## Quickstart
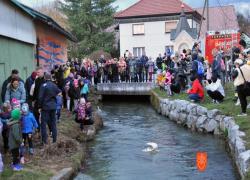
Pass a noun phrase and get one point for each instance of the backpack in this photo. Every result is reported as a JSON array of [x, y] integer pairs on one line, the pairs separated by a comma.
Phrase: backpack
[[200, 68], [222, 65]]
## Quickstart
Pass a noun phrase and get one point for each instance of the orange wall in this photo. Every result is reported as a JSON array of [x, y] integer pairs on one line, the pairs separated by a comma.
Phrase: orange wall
[[52, 46]]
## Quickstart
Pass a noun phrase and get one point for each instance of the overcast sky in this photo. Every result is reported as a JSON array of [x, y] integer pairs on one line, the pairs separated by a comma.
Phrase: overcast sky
[[241, 5]]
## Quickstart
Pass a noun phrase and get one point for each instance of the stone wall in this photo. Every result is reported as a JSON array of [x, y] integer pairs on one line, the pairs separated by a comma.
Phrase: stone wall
[[198, 118]]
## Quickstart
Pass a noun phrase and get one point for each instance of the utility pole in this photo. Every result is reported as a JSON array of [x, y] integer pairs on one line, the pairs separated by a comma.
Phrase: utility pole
[[207, 15]]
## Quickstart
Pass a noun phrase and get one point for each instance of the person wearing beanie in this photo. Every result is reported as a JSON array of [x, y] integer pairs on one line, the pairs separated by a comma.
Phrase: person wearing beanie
[[196, 93], [47, 107], [15, 138], [29, 124]]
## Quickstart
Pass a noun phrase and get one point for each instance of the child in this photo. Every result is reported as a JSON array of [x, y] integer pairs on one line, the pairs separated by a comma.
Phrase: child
[[66, 89], [15, 139], [168, 82], [59, 104], [88, 119], [196, 93], [28, 125], [5, 116], [81, 112], [1, 160], [85, 91]]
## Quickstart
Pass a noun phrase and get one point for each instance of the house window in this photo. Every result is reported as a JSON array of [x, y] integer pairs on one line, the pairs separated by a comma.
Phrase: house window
[[138, 29], [169, 25], [138, 51]]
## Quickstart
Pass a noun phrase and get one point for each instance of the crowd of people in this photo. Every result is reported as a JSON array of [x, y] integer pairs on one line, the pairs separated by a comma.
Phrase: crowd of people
[[35, 105], [189, 72]]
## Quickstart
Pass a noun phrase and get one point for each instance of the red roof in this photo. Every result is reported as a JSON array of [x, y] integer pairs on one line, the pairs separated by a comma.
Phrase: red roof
[[153, 8], [220, 18]]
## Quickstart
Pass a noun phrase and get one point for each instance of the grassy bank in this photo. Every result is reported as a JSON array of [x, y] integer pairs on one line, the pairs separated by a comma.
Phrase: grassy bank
[[47, 161], [227, 107]]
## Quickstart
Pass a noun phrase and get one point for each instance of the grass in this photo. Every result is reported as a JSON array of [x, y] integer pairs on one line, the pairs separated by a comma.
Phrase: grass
[[227, 107], [40, 168]]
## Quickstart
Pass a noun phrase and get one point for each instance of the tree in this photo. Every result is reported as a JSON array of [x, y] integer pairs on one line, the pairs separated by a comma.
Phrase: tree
[[88, 20], [244, 22]]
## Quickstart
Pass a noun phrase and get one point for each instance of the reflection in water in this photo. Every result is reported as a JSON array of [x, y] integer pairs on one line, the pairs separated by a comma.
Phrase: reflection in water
[[117, 154]]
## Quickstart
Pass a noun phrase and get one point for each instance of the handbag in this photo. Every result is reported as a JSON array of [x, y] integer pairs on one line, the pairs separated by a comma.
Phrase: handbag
[[246, 83]]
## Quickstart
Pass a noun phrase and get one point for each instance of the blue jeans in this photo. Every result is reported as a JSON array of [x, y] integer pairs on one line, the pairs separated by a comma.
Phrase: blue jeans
[[48, 118], [194, 97]]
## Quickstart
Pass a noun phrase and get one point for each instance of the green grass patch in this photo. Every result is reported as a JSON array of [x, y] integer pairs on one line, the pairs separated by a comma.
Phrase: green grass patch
[[227, 107]]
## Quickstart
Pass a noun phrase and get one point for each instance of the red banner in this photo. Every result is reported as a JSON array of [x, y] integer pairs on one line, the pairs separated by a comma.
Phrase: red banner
[[220, 41]]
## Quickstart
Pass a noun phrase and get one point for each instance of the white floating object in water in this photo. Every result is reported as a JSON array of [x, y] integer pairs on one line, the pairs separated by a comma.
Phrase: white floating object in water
[[152, 147]]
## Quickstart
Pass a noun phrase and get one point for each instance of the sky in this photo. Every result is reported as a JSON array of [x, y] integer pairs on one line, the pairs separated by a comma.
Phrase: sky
[[240, 5]]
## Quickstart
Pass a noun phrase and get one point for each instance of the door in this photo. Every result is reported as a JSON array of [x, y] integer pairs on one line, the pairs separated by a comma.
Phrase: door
[[2, 76]]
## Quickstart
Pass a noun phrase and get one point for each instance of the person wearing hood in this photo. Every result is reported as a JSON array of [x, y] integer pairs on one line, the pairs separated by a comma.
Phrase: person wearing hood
[[241, 76], [215, 90], [28, 125]]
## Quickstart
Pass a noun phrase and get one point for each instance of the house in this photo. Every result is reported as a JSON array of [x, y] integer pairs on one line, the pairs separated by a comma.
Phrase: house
[[152, 26], [29, 39]]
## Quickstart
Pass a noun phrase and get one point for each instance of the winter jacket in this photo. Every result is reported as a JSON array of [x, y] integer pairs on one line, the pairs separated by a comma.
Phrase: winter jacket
[[85, 89], [238, 76], [4, 87], [28, 123], [59, 102], [47, 96], [19, 93], [216, 86], [197, 88], [38, 84], [28, 84], [15, 135], [5, 116]]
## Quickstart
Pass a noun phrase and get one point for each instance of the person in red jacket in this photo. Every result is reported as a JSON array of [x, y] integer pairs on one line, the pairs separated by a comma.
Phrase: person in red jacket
[[196, 93]]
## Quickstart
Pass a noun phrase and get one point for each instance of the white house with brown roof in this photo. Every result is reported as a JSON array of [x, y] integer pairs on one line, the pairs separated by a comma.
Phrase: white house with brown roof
[[152, 26]]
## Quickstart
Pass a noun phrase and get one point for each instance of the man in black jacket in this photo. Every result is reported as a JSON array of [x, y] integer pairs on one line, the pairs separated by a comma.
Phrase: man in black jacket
[[38, 82], [47, 107]]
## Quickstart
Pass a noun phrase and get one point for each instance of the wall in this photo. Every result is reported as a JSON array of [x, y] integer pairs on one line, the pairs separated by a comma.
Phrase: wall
[[15, 55], [154, 40], [16, 25], [198, 118], [124, 88], [52, 46]]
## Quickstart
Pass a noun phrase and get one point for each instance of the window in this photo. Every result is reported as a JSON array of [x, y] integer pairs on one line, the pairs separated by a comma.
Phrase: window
[[138, 51], [169, 25], [138, 29]]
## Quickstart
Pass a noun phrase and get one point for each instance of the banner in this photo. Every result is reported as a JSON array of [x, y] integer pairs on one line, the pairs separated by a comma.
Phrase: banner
[[220, 41]]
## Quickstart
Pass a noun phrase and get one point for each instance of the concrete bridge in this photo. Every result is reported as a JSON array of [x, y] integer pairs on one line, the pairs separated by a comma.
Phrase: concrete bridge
[[125, 88]]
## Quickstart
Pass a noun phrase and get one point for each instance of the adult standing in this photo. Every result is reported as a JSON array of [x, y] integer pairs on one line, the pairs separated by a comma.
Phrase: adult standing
[[15, 90], [241, 75], [14, 74], [38, 83], [47, 107], [28, 83]]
